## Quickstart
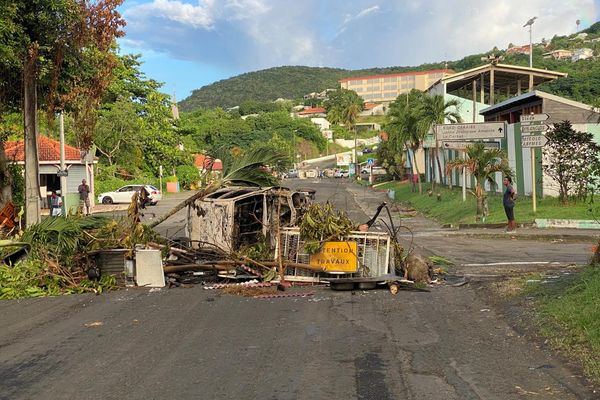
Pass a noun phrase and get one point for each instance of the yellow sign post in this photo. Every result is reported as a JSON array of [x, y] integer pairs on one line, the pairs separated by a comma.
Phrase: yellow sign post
[[336, 257]]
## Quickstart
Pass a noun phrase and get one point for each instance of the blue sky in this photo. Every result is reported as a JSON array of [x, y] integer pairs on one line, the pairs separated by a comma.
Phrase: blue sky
[[191, 43]]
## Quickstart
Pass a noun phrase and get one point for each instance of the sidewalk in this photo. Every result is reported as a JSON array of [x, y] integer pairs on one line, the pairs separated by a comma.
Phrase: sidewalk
[[368, 199]]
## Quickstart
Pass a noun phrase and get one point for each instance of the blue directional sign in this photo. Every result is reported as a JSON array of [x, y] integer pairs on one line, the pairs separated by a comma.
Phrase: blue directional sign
[[370, 161]]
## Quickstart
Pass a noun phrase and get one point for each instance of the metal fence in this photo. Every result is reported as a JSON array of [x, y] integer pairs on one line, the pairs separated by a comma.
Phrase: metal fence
[[374, 255]]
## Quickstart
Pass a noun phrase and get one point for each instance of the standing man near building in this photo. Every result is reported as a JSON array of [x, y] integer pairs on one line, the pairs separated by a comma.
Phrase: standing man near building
[[55, 205], [84, 197], [508, 200]]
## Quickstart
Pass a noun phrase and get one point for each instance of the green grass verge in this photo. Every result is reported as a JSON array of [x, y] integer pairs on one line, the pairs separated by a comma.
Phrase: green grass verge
[[570, 318], [452, 210]]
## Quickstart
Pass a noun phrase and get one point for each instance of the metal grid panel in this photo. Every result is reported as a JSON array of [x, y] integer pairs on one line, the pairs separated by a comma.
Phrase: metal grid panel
[[373, 254]]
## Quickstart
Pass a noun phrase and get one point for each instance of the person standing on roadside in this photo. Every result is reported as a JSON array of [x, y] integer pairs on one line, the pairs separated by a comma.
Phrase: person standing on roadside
[[508, 200], [84, 197], [55, 205]]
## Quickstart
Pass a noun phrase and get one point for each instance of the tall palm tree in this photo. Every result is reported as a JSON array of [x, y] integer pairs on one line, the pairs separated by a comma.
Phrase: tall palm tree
[[433, 110], [403, 127], [483, 164], [343, 107], [249, 169]]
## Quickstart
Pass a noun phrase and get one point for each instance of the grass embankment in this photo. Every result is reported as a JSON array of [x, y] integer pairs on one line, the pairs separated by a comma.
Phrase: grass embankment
[[452, 210], [569, 317]]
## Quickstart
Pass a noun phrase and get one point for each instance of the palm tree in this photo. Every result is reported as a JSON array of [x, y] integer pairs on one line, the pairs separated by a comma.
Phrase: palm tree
[[433, 110], [483, 164], [403, 127], [249, 169], [343, 107]]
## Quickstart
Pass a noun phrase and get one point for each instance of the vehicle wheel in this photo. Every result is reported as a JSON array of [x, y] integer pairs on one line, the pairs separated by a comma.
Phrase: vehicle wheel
[[107, 200]]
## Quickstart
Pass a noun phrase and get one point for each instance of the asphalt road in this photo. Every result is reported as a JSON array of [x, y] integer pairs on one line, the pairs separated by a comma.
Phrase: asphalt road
[[191, 343]]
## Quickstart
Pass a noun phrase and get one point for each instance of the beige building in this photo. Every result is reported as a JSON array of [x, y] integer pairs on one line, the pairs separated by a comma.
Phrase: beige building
[[559, 54], [385, 88]]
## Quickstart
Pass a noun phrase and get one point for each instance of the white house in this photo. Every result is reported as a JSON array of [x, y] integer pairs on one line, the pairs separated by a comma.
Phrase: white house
[[582, 54], [321, 122]]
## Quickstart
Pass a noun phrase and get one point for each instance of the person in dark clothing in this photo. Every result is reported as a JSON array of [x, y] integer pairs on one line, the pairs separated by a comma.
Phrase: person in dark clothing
[[84, 197], [508, 200]]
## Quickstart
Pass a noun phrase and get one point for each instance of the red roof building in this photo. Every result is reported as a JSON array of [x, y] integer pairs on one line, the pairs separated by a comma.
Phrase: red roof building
[[312, 111], [518, 50], [48, 151], [205, 163]]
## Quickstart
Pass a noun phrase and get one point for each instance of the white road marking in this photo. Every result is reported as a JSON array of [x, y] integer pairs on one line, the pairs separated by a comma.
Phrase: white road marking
[[514, 263]]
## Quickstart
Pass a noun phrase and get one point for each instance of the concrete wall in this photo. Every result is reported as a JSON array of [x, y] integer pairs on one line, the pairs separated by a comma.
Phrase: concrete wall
[[349, 143]]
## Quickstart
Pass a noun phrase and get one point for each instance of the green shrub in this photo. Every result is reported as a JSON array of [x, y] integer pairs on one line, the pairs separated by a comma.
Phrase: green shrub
[[188, 176], [18, 185]]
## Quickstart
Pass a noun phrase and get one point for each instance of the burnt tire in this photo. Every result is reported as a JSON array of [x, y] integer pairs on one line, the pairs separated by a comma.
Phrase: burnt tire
[[107, 200]]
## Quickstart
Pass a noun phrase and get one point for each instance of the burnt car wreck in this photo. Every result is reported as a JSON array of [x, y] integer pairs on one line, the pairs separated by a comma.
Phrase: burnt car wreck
[[234, 217]]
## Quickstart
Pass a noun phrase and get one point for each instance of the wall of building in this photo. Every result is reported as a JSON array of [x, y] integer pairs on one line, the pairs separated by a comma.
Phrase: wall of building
[[560, 111], [466, 108], [387, 88]]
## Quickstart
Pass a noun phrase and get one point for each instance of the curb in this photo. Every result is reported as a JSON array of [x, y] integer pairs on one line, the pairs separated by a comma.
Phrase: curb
[[533, 236]]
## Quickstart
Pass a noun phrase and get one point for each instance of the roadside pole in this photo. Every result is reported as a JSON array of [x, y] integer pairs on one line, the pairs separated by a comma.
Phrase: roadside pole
[[464, 185], [160, 174], [533, 125], [533, 180], [63, 167]]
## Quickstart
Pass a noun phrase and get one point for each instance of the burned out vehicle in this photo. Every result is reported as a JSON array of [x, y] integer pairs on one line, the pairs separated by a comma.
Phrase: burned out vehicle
[[231, 218]]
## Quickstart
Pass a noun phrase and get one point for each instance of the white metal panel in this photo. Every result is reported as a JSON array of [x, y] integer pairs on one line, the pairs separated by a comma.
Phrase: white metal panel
[[149, 268]]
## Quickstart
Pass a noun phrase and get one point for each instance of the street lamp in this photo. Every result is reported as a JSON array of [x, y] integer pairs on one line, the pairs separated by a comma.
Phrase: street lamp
[[529, 24]]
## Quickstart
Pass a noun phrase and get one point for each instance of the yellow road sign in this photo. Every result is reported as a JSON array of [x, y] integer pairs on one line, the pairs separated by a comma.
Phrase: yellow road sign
[[336, 257]]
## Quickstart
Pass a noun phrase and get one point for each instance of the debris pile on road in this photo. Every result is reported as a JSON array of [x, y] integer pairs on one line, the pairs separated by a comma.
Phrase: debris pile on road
[[58, 255], [321, 223]]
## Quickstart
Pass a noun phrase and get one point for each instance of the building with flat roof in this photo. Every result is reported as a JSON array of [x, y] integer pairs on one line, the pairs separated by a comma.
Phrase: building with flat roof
[[385, 88]]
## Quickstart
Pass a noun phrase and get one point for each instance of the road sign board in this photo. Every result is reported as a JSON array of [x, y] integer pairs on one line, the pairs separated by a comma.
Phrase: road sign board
[[336, 257], [62, 173], [534, 128], [370, 161], [533, 141], [459, 132], [463, 145], [534, 117]]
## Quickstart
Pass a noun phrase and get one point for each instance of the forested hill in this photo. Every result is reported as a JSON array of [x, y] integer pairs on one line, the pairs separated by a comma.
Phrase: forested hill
[[270, 84], [293, 82]]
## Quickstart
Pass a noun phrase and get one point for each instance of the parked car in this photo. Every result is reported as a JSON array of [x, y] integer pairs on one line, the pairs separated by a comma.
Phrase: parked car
[[367, 150], [124, 194], [341, 174], [292, 173], [329, 172], [376, 171]]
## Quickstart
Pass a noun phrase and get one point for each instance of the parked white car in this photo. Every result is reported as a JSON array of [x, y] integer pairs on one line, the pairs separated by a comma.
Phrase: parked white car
[[124, 194]]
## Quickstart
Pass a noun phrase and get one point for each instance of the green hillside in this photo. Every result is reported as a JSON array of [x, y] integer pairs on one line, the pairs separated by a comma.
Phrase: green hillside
[[280, 82], [293, 82]]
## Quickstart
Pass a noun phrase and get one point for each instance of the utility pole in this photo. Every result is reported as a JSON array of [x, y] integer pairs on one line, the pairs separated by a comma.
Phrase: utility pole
[[63, 165], [530, 24], [32, 176]]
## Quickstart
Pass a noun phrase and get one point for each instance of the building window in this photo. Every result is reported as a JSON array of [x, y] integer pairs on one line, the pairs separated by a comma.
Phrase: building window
[[390, 87]]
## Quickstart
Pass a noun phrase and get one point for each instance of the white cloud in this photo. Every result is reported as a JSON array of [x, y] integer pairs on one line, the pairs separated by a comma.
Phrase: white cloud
[[252, 34], [187, 14], [360, 14]]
